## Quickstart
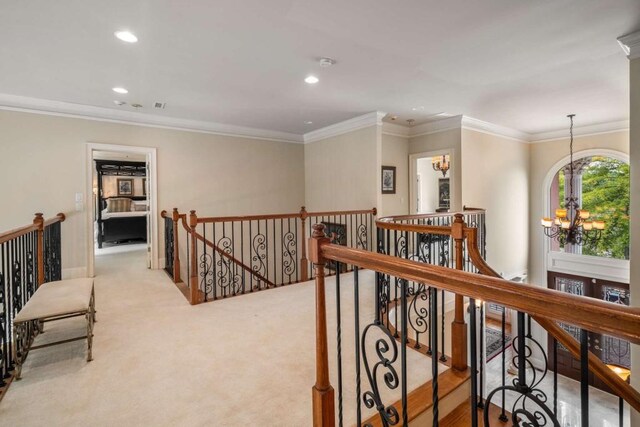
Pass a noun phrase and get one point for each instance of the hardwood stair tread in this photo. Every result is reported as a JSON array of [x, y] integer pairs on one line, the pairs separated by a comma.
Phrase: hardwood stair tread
[[421, 399], [461, 416]]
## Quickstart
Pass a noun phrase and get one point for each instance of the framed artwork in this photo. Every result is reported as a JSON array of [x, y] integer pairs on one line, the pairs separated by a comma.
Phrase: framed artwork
[[144, 186], [444, 193], [388, 180], [125, 187]]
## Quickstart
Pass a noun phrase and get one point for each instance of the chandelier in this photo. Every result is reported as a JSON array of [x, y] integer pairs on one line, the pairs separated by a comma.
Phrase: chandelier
[[441, 164], [571, 224]]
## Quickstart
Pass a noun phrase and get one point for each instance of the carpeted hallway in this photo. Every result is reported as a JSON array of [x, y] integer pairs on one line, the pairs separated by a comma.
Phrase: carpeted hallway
[[158, 361]]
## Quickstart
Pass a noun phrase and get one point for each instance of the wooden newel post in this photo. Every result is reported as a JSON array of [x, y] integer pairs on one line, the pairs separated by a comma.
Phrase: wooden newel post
[[458, 327], [194, 294], [322, 392], [176, 247], [304, 262], [38, 221]]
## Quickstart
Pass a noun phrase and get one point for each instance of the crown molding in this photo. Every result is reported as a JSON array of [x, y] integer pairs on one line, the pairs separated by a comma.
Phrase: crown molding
[[396, 130], [366, 120], [589, 130], [630, 44], [436, 126], [67, 109], [470, 123]]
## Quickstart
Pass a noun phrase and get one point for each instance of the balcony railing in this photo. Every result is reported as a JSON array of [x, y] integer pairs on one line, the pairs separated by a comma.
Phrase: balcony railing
[[235, 255], [29, 256]]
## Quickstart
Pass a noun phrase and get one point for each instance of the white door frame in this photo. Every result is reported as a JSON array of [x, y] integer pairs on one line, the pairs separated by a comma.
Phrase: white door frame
[[413, 175], [152, 196]]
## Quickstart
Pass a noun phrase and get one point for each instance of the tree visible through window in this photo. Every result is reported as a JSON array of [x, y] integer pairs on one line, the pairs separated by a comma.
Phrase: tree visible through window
[[605, 194]]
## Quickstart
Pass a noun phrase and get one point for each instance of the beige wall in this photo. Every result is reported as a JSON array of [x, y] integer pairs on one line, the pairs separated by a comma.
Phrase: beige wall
[[544, 156], [395, 152], [341, 172], [635, 213], [43, 165], [495, 176], [450, 140]]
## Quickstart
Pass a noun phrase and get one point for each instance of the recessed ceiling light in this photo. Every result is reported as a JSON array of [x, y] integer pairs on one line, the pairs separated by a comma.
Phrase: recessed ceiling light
[[308, 122], [120, 90], [119, 103], [311, 80], [126, 36]]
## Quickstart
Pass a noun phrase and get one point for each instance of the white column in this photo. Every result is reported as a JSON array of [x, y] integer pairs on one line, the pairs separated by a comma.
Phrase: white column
[[632, 42]]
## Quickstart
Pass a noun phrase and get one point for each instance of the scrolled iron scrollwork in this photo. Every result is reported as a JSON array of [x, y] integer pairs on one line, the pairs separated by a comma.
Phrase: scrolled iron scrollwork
[[258, 257], [362, 237], [168, 245], [401, 246], [228, 280], [383, 367], [530, 407], [205, 269], [418, 314], [31, 282], [16, 276], [289, 245]]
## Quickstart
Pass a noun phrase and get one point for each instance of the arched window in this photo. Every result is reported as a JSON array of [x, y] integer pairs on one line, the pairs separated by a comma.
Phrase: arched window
[[601, 184]]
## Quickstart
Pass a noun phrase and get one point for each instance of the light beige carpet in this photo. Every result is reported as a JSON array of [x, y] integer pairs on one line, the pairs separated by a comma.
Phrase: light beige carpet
[[245, 361]]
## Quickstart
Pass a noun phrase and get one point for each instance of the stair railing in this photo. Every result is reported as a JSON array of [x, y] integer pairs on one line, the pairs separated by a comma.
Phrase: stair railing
[[386, 365], [235, 255], [29, 257]]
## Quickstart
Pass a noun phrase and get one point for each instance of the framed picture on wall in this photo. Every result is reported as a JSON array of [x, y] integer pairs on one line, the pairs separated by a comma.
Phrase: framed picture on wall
[[125, 187], [388, 180], [444, 193], [144, 186]]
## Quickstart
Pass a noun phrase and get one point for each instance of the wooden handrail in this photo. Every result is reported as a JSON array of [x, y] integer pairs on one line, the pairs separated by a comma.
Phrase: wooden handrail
[[395, 218], [58, 218], [442, 230], [372, 211], [588, 313], [17, 232], [21, 231], [38, 225]]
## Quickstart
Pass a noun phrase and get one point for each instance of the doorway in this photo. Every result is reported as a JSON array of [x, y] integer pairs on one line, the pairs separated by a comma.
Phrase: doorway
[[432, 186], [610, 350], [122, 214]]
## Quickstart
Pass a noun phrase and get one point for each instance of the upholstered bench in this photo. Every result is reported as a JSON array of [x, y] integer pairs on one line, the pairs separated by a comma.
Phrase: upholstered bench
[[53, 301]]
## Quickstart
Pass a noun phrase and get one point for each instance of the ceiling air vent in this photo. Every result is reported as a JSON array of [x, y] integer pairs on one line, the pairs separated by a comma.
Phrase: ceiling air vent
[[159, 105]]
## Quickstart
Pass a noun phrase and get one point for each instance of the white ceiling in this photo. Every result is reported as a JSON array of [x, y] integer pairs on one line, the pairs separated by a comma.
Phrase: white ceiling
[[516, 63]]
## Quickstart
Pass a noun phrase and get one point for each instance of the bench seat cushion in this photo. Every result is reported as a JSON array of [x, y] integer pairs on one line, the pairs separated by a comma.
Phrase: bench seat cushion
[[57, 299]]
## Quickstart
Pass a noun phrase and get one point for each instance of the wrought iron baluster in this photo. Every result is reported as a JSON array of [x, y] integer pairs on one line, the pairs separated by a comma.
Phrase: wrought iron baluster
[[482, 355], [275, 246], [244, 276], [443, 358], [339, 343], [474, 363], [555, 377], [503, 414], [403, 350], [356, 302], [434, 360], [4, 335], [584, 377]]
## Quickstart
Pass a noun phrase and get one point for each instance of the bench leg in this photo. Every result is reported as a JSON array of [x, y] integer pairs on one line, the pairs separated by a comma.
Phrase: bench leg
[[19, 332], [91, 315]]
